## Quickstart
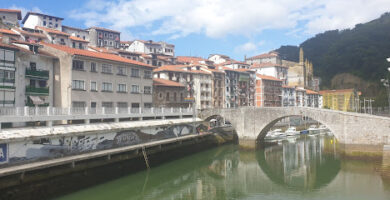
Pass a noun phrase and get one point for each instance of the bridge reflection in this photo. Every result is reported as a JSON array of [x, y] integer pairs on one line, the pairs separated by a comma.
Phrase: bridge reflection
[[285, 171]]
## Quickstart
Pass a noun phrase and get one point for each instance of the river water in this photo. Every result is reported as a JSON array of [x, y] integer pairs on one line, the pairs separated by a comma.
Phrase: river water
[[308, 168]]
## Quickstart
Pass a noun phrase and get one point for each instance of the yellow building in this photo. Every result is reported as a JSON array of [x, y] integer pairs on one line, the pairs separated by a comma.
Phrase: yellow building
[[343, 100]]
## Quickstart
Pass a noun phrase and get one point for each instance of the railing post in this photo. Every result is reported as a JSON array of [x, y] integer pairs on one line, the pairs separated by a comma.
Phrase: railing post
[[103, 110], [26, 111], [116, 110], [181, 112], [171, 109], [152, 110], [86, 111], [129, 110], [36, 110], [69, 111], [162, 113], [140, 110], [48, 111]]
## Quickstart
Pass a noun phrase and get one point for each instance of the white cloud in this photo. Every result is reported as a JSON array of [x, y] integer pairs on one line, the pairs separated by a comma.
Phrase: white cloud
[[219, 18], [247, 47], [25, 10]]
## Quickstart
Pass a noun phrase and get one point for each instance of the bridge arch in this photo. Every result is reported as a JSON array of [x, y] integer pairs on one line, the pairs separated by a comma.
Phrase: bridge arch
[[252, 124]]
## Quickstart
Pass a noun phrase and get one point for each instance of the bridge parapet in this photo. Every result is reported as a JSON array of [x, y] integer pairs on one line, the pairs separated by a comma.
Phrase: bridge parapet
[[252, 124]]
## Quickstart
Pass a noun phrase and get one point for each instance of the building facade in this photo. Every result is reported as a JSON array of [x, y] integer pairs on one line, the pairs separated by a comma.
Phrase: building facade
[[343, 100], [97, 80], [102, 37], [10, 17], [34, 19], [268, 91], [168, 93]]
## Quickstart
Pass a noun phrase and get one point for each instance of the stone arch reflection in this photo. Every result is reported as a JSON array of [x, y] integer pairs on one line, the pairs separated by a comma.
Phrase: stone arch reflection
[[306, 164]]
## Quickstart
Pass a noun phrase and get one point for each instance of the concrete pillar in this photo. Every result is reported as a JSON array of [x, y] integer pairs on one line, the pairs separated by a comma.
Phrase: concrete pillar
[[247, 144], [86, 121], [49, 123], [116, 119], [116, 110]]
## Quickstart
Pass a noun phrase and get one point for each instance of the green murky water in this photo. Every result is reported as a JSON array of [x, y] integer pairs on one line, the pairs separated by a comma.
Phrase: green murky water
[[308, 168]]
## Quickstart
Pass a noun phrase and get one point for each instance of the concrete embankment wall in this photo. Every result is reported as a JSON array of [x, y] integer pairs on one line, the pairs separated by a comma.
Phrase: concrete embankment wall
[[67, 158]]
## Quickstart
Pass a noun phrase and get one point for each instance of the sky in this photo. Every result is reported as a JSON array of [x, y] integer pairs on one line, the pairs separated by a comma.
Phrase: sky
[[236, 28]]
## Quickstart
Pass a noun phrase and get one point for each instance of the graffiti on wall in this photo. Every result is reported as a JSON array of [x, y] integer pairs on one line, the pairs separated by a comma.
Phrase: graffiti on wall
[[53, 147]]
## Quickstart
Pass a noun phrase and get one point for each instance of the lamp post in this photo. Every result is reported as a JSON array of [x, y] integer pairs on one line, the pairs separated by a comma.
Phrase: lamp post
[[386, 83]]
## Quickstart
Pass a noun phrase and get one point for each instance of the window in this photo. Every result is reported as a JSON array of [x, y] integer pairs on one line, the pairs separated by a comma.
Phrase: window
[[78, 85], [44, 23], [134, 72], [135, 105], [56, 25], [135, 89], [167, 97], [106, 87], [93, 67], [148, 74], [110, 43], [49, 18], [105, 34], [106, 104], [122, 88], [106, 69], [44, 17], [62, 41], [93, 86], [78, 65], [121, 70], [78, 104], [33, 66], [147, 90], [121, 104], [81, 46], [105, 42], [110, 35], [73, 45], [147, 105]]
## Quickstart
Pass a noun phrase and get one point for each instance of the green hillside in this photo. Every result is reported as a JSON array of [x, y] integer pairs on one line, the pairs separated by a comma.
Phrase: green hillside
[[360, 52]]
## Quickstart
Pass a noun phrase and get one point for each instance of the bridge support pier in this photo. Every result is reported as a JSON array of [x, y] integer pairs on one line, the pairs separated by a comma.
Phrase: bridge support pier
[[247, 144]]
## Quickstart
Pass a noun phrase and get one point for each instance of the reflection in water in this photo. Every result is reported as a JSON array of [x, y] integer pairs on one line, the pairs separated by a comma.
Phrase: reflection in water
[[306, 169]]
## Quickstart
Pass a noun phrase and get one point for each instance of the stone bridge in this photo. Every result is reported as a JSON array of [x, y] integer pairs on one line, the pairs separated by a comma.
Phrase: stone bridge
[[252, 124]]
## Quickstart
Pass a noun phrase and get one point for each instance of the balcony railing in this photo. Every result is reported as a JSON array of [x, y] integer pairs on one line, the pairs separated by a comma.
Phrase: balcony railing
[[44, 91], [6, 80], [40, 74]]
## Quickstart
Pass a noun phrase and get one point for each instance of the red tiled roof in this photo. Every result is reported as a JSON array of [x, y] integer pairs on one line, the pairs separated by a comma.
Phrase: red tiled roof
[[103, 50], [167, 83], [74, 28], [78, 39], [264, 65], [12, 11], [189, 59], [229, 62], [8, 32], [8, 46], [336, 91], [264, 55], [311, 92], [23, 32], [268, 77], [52, 31], [92, 54], [286, 86], [179, 68], [103, 29]]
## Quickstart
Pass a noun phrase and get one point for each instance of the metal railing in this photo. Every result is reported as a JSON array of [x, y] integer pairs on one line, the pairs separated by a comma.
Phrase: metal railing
[[28, 114]]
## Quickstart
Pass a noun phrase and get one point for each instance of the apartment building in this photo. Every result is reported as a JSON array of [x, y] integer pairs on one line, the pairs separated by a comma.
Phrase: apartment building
[[301, 99], [149, 47], [288, 96], [271, 57], [76, 32], [96, 80], [31, 35], [7, 75], [103, 37], [168, 93], [197, 80], [231, 84], [34, 19], [268, 91], [313, 99], [343, 99], [218, 58], [218, 88], [10, 17], [271, 69], [55, 36], [233, 64]]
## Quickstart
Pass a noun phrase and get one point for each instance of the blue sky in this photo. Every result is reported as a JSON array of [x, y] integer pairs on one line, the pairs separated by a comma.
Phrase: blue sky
[[202, 27]]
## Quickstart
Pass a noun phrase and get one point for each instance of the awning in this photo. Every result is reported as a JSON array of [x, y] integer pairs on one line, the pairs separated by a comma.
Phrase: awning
[[36, 100]]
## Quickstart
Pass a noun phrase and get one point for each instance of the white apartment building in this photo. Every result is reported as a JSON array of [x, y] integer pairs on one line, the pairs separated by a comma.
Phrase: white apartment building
[[34, 19], [271, 57], [150, 47], [288, 96], [270, 69], [233, 64], [218, 58], [10, 17]]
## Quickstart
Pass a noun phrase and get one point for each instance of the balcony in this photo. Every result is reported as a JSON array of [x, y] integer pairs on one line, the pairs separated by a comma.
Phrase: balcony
[[6, 80], [34, 91], [37, 74]]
